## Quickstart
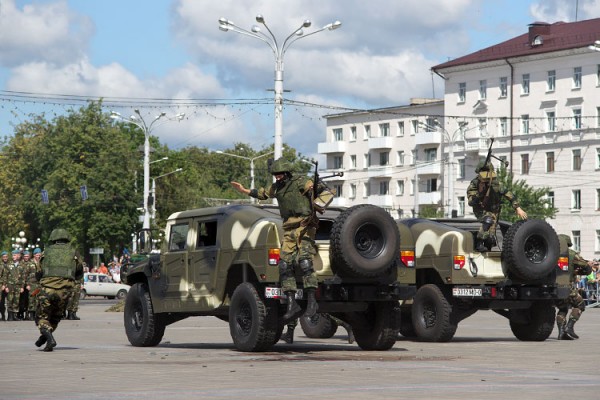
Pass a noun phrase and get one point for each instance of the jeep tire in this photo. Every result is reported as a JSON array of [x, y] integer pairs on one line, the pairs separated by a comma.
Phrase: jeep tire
[[253, 323], [364, 242], [376, 328], [143, 327], [432, 315], [319, 326], [534, 324]]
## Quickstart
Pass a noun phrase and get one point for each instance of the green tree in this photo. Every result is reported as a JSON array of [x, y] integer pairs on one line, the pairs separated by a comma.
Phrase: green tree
[[534, 201]]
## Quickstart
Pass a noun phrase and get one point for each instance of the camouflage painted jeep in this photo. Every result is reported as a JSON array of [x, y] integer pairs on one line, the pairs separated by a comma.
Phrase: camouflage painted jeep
[[222, 262], [521, 282]]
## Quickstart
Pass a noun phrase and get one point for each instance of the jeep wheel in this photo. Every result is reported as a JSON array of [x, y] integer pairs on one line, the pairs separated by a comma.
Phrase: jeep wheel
[[534, 324], [143, 327], [377, 328], [364, 242], [319, 326], [252, 323], [531, 249], [431, 313]]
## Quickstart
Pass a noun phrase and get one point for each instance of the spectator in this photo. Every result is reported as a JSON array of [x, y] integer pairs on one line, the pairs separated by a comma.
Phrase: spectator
[[115, 271], [102, 269]]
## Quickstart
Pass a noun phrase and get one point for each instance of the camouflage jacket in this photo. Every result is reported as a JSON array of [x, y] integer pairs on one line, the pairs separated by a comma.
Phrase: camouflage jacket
[[15, 275], [477, 195], [577, 265], [29, 270]]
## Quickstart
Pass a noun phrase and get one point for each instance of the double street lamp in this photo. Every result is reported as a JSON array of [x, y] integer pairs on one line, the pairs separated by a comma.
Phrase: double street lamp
[[251, 159], [278, 51], [139, 121]]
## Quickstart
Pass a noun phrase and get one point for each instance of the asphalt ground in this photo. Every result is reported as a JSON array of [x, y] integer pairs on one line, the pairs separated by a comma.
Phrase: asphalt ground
[[196, 359]]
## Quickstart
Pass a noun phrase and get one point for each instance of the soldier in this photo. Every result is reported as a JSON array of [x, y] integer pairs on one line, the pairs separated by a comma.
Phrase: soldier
[[73, 304], [61, 267], [485, 196], [14, 286], [3, 284], [33, 283], [26, 310], [577, 266], [293, 194]]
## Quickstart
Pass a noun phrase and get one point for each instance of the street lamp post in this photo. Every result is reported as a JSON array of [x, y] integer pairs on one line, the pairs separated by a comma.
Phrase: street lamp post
[[147, 129], [154, 189], [278, 51], [251, 159]]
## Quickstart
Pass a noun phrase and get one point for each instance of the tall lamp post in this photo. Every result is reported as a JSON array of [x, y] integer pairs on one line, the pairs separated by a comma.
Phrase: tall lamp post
[[147, 129], [154, 189], [251, 159], [278, 51]]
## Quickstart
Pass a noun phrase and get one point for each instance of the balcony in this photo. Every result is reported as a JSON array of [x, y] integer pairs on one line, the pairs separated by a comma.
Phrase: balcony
[[332, 147], [429, 198], [384, 142], [478, 145], [430, 168], [381, 200], [380, 171], [428, 138]]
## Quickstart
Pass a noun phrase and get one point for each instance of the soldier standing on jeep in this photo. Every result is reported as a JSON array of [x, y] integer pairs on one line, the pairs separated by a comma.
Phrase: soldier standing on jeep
[[485, 196], [293, 194]]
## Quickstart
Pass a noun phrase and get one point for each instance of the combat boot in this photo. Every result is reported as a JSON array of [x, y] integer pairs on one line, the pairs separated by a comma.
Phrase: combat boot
[[50, 342], [11, 316], [561, 331], [30, 316], [288, 336], [569, 329], [41, 340], [69, 315], [311, 307], [2, 316], [74, 316], [293, 309], [480, 246]]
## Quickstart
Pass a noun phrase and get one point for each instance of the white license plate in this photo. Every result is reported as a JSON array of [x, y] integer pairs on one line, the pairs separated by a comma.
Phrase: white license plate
[[466, 292], [277, 293]]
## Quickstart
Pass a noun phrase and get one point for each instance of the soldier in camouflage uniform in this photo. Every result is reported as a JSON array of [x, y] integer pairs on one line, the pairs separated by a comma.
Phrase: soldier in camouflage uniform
[[577, 266], [61, 268], [73, 304], [294, 196], [485, 196], [26, 309], [14, 286], [3, 284], [33, 283]]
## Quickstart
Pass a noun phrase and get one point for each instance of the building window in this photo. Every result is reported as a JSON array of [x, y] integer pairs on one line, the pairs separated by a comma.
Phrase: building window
[[503, 126], [577, 118], [525, 124], [550, 121], [384, 188], [597, 247], [415, 126], [551, 81], [525, 84], [367, 160], [401, 128], [482, 89], [550, 161], [366, 190], [482, 126], [576, 199], [576, 240], [461, 168], [400, 160], [462, 92], [353, 161], [338, 190], [338, 162], [431, 185], [577, 77], [503, 86], [384, 130], [338, 135], [430, 154], [597, 157], [577, 160], [414, 153], [412, 187], [597, 199], [400, 188], [461, 206], [550, 198], [353, 133], [384, 158], [367, 131], [524, 164], [352, 191]]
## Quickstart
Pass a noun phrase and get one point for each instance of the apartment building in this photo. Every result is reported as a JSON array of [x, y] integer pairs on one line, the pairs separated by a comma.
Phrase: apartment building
[[537, 95]]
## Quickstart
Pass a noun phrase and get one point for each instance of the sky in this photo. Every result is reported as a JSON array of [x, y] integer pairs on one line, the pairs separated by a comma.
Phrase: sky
[[170, 56]]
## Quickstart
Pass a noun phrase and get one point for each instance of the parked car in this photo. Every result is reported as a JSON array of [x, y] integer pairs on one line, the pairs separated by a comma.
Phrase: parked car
[[95, 284]]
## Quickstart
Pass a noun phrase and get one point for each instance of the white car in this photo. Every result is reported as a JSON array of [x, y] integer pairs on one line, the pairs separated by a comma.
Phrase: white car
[[95, 284]]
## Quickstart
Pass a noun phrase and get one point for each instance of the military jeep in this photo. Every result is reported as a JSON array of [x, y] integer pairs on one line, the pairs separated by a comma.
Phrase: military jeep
[[223, 262]]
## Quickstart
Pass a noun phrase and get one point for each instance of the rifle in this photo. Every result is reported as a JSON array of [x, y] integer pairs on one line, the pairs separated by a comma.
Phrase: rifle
[[490, 171], [322, 195]]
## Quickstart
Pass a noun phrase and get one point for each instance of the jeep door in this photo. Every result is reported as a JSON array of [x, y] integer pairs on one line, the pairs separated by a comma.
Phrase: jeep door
[[175, 265], [203, 258]]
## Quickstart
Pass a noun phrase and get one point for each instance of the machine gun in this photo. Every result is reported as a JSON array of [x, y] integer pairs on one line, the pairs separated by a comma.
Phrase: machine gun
[[322, 195]]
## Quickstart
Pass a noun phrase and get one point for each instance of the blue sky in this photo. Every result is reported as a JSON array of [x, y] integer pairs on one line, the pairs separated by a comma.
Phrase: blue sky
[[165, 49]]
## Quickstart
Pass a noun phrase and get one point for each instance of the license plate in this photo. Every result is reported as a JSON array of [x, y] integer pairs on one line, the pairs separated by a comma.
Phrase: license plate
[[277, 293], [466, 292]]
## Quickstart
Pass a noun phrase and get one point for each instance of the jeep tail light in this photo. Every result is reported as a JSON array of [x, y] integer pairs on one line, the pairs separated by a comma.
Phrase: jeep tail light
[[273, 256], [459, 262], [408, 258], [563, 263]]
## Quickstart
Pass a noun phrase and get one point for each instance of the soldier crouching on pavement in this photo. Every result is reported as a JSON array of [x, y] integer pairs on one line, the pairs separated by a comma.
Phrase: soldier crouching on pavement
[[61, 268], [293, 194], [577, 266]]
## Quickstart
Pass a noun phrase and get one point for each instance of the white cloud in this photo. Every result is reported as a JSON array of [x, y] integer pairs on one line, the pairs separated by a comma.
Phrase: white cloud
[[560, 10]]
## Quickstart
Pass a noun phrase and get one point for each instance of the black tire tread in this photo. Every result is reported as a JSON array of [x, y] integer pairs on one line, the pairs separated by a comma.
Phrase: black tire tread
[[323, 328], [444, 328], [153, 328]]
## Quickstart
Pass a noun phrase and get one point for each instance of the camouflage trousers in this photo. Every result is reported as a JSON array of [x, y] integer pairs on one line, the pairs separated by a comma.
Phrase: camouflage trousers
[[33, 291], [12, 298], [73, 304], [51, 306], [575, 301], [484, 234], [298, 244]]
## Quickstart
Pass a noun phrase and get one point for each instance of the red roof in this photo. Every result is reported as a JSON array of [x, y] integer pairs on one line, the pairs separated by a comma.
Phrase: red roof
[[554, 37]]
